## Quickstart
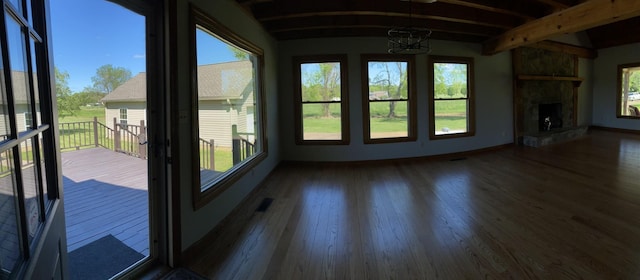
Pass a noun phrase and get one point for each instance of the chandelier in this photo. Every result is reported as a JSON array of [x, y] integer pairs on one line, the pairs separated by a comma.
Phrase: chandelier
[[409, 40]]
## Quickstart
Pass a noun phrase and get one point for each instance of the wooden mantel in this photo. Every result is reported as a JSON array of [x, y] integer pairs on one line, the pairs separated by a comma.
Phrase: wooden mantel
[[576, 80]]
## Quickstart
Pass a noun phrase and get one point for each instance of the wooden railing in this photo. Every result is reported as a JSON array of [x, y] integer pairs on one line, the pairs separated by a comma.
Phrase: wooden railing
[[131, 140], [128, 139], [242, 146], [207, 156]]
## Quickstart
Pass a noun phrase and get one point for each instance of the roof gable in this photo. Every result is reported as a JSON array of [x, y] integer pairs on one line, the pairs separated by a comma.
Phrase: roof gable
[[215, 82]]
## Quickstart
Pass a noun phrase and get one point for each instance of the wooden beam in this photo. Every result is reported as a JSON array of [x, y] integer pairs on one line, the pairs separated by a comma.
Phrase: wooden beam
[[555, 5], [566, 48], [487, 8], [577, 18]]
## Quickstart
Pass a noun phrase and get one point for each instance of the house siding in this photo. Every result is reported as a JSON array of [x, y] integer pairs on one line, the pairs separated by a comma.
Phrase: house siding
[[136, 111]]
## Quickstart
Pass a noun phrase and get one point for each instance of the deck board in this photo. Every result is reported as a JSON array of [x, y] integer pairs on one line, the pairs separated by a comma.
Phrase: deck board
[[105, 193]]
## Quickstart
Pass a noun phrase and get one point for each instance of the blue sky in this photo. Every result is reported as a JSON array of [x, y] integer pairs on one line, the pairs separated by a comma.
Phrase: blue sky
[[90, 33]]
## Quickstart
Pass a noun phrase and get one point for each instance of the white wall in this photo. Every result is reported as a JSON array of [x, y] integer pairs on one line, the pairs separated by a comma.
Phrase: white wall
[[494, 99], [197, 223], [604, 85]]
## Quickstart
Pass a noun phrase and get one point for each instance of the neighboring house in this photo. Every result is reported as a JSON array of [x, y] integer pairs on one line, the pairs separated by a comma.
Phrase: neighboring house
[[225, 98], [23, 115]]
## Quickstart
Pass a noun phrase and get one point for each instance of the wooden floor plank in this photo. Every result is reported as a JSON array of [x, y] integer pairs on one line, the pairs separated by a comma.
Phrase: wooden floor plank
[[564, 211]]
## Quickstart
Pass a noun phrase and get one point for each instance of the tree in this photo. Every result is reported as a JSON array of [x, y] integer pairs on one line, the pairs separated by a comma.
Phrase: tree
[[393, 79], [108, 78], [68, 104], [323, 84], [238, 53], [89, 96]]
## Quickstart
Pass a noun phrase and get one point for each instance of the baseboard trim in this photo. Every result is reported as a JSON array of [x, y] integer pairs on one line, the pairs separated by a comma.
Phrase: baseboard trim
[[446, 156], [615, 129]]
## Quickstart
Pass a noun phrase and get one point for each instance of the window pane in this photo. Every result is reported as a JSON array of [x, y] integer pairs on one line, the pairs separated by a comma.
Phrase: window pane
[[450, 80], [17, 4], [31, 189], [320, 81], [388, 80], [10, 252], [17, 58], [321, 121], [450, 116], [227, 122], [630, 95], [388, 119], [4, 117], [34, 68], [43, 174]]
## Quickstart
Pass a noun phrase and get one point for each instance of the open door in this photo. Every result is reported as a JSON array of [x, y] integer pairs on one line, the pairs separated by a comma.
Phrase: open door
[[32, 225]]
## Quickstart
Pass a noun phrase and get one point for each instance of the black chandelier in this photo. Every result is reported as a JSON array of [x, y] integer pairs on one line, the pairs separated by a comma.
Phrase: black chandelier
[[409, 40]]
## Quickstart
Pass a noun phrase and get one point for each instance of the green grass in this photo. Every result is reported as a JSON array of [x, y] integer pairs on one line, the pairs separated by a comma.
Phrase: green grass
[[223, 158], [450, 114], [85, 114]]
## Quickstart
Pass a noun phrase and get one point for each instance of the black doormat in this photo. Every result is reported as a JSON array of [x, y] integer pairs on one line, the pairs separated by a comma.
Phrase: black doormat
[[101, 259]]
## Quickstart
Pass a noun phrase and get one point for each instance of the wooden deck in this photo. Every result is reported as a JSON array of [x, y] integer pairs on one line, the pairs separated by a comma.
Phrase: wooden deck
[[105, 193]]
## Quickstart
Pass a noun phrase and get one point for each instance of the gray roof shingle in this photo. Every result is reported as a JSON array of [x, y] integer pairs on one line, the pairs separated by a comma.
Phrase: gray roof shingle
[[215, 82]]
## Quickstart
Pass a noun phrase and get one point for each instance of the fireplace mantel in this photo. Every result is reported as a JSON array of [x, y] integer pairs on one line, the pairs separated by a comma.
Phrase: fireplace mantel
[[576, 80]]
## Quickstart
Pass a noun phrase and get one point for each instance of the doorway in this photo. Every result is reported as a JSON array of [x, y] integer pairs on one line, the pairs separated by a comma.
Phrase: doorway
[[100, 58]]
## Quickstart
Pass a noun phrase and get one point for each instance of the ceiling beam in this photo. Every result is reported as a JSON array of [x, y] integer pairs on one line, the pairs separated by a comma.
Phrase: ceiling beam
[[577, 18], [555, 5], [488, 8]]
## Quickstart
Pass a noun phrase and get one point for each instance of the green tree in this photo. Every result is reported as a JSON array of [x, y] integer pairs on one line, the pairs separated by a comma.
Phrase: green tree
[[322, 84], [89, 96], [392, 78], [108, 78], [68, 104], [238, 53], [634, 81]]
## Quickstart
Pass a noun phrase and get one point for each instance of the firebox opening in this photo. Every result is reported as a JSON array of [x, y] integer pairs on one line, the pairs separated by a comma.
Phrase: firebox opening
[[549, 116]]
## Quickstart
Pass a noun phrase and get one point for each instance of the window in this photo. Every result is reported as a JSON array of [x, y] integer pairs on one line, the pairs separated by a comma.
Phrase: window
[[28, 120], [27, 190], [451, 97], [322, 111], [228, 109], [628, 97], [389, 109], [123, 116]]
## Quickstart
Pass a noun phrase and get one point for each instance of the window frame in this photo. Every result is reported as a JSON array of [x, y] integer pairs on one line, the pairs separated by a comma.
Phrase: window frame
[[619, 91], [411, 97], [228, 178], [126, 114], [471, 119], [344, 98]]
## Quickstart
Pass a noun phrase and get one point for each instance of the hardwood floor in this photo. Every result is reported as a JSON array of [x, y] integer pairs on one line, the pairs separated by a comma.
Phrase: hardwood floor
[[565, 211]]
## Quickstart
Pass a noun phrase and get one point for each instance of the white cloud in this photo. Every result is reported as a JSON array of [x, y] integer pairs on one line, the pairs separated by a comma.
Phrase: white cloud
[[138, 56]]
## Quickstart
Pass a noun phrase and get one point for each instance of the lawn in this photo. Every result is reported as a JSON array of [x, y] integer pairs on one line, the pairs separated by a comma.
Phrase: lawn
[[85, 114], [449, 114]]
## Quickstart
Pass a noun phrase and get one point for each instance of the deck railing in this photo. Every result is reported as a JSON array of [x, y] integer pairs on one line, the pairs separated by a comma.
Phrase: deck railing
[[242, 146], [207, 155], [128, 139], [131, 140]]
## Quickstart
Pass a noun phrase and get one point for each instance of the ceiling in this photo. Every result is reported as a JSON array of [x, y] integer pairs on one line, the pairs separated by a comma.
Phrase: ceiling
[[457, 20]]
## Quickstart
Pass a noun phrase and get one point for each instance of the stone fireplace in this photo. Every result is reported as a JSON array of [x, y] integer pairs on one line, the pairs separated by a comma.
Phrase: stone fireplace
[[542, 99], [545, 97]]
